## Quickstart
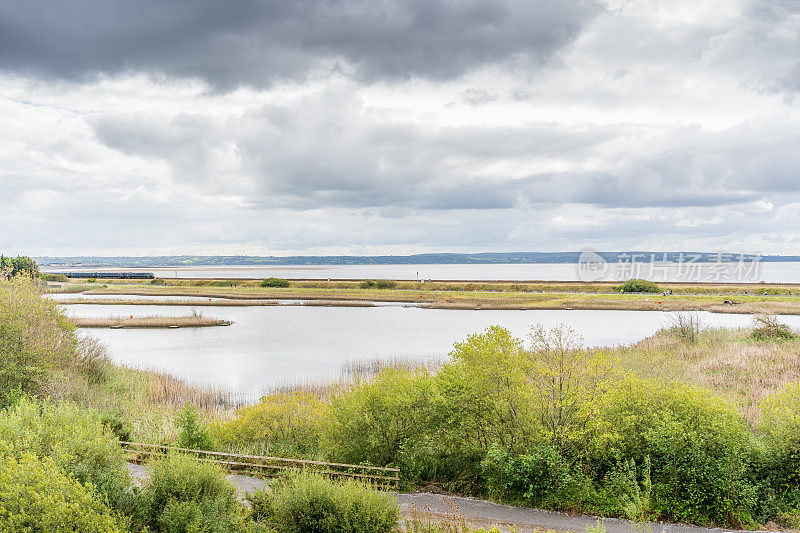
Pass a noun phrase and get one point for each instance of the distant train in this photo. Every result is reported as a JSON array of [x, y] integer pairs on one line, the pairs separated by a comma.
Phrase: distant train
[[108, 275]]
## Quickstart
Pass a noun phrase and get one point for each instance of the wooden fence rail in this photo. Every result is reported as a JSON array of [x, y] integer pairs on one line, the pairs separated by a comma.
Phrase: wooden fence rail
[[266, 467]]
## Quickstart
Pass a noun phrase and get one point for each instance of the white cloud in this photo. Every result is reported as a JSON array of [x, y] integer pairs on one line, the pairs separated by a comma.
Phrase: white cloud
[[656, 124]]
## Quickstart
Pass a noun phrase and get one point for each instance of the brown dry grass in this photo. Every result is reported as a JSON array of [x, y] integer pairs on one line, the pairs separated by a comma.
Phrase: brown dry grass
[[192, 321], [509, 296], [193, 303]]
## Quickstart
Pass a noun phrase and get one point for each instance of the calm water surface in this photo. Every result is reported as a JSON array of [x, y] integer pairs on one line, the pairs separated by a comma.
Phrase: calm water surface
[[270, 346], [782, 272]]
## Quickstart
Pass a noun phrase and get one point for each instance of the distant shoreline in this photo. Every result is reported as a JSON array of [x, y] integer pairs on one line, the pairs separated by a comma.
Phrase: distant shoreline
[[483, 258]]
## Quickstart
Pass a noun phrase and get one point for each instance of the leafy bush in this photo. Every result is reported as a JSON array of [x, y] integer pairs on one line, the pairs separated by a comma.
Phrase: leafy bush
[[35, 338], [638, 285], [36, 496], [767, 327], [186, 495], [306, 502], [283, 424], [118, 425], [194, 434], [74, 438], [378, 284], [275, 282], [157, 281], [541, 476]]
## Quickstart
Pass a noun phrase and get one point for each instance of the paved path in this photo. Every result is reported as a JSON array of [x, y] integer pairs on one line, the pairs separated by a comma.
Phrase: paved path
[[481, 513]]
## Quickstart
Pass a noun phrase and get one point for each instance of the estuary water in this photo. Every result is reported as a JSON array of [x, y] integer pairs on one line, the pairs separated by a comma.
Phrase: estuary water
[[278, 345]]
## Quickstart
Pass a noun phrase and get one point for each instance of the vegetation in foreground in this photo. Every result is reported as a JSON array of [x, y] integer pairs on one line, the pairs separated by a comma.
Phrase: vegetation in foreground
[[703, 428]]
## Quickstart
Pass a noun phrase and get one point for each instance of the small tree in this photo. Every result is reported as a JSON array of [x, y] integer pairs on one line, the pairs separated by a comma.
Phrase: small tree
[[565, 382]]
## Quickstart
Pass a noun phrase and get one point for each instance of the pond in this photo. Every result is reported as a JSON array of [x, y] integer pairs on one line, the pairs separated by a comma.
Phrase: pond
[[278, 345]]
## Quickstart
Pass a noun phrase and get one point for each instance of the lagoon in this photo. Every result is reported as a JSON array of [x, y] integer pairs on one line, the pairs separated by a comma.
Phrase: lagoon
[[267, 347]]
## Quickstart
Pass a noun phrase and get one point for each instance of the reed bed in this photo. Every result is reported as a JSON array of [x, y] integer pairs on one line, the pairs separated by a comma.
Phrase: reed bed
[[337, 303], [191, 321]]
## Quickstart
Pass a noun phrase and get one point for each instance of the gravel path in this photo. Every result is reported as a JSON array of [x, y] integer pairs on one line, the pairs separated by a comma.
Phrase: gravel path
[[481, 513]]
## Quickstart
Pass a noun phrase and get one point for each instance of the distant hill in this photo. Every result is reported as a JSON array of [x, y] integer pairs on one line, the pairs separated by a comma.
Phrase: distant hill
[[416, 259]]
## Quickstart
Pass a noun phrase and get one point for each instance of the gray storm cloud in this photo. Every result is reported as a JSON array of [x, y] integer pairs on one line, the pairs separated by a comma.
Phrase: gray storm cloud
[[258, 42]]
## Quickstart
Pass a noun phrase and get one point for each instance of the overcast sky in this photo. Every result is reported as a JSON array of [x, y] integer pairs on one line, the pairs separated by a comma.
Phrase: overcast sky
[[144, 127]]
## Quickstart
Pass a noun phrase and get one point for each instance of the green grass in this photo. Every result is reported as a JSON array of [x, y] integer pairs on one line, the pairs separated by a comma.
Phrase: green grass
[[465, 295]]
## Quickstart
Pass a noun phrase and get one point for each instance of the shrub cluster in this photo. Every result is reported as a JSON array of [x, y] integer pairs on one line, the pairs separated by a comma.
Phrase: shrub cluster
[[552, 424], [307, 502], [283, 424], [186, 495], [36, 495], [378, 284], [276, 283], [36, 340]]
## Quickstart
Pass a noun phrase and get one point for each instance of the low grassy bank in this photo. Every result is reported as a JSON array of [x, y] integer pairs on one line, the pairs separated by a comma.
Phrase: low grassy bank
[[692, 424], [781, 299], [192, 321]]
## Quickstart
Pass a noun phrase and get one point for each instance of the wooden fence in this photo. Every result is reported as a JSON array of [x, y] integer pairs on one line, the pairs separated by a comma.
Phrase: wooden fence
[[266, 467]]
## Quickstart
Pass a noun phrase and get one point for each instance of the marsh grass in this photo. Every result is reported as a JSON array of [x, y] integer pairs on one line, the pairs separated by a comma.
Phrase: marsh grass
[[195, 320], [146, 402], [727, 361], [193, 303], [477, 295]]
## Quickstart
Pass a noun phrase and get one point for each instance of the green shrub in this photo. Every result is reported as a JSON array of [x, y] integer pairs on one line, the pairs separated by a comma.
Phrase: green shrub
[[61, 278], [284, 424], [698, 447], [276, 283], [73, 437], [542, 476], [37, 496], [638, 285], [308, 503], [118, 425], [194, 434], [767, 328], [370, 421], [377, 284], [157, 281], [186, 495], [35, 338]]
